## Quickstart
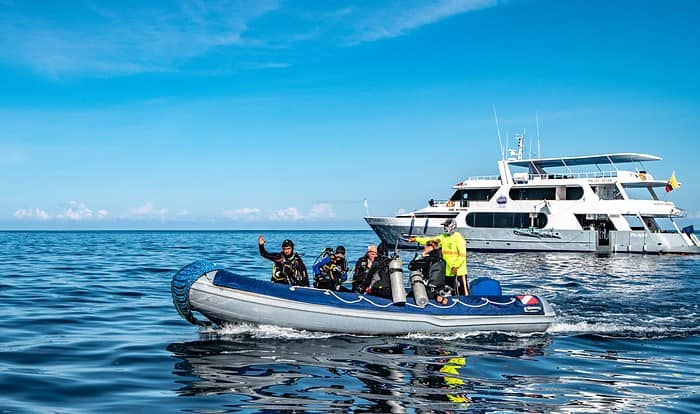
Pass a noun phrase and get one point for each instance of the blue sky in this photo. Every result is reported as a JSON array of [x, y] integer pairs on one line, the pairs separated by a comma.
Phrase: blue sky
[[288, 114]]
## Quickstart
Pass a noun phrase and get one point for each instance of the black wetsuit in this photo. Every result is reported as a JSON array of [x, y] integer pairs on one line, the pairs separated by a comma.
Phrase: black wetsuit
[[432, 266], [373, 280], [289, 270]]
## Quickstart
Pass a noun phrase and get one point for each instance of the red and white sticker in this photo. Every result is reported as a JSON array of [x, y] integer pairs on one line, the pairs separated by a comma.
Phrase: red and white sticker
[[528, 300]]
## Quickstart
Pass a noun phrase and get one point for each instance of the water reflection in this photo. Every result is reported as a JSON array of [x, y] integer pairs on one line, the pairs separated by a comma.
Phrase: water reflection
[[361, 374]]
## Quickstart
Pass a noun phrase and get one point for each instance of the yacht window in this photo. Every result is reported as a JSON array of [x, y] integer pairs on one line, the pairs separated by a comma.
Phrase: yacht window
[[660, 224], [639, 193], [533, 193], [574, 193], [507, 220], [595, 221], [484, 194], [607, 192], [634, 221], [502, 220]]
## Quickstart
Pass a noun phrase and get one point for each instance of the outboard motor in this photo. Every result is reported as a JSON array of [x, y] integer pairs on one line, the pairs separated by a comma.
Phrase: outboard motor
[[418, 287], [398, 291]]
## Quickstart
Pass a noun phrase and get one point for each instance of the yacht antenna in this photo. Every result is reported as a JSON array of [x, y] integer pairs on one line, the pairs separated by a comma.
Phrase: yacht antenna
[[537, 121], [498, 128], [518, 153]]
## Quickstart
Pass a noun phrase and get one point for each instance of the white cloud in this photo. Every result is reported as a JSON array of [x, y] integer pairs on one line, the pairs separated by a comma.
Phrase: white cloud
[[317, 211], [290, 213], [148, 210], [323, 210], [268, 65], [398, 20], [169, 37], [77, 211], [242, 213], [123, 40], [29, 213]]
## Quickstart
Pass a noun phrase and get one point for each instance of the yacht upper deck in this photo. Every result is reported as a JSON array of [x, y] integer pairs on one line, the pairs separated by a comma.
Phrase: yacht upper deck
[[606, 168]]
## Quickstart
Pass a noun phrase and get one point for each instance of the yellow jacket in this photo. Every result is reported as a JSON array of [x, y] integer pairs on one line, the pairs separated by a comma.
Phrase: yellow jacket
[[454, 251]]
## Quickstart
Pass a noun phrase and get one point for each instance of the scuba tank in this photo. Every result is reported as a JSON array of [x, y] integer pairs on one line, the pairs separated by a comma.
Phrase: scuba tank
[[398, 292], [418, 286]]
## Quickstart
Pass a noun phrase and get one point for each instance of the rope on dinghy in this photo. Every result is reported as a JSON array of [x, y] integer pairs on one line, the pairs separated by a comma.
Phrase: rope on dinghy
[[455, 301]]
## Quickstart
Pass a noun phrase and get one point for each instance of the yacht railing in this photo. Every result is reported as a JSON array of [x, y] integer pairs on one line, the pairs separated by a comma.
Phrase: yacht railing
[[555, 176], [448, 203]]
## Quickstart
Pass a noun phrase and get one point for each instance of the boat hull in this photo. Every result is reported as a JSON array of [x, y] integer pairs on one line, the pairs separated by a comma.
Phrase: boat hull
[[396, 229], [222, 296]]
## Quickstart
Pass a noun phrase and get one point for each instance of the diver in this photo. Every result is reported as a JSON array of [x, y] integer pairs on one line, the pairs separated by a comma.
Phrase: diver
[[331, 270], [432, 266], [288, 267], [454, 251], [371, 274], [361, 276]]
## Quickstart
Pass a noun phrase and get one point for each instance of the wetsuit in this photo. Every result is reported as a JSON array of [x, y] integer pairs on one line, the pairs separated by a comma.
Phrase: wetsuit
[[432, 266], [289, 270], [330, 272]]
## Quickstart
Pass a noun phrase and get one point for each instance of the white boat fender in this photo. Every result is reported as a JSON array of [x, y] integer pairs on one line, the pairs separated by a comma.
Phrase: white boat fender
[[418, 288], [398, 291]]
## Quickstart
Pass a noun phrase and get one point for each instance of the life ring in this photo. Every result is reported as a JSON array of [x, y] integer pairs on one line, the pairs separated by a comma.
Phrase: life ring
[[451, 203]]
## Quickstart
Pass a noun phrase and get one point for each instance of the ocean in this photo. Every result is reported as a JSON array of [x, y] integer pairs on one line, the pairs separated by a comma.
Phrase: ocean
[[88, 326]]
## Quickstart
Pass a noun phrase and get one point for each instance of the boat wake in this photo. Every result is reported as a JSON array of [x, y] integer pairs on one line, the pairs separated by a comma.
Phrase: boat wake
[[620, 330], [254, 331], [251, 330]]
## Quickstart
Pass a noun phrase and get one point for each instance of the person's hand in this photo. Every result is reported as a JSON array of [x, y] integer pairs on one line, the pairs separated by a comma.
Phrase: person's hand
[[454, 270], [411, 239], [261, 240]]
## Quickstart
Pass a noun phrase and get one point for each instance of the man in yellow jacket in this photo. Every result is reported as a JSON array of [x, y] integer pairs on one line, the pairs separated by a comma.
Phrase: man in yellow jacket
[[454, 251]]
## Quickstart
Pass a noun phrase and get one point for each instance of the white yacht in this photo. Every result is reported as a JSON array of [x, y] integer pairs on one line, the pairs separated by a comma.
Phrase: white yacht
[[578, 204]]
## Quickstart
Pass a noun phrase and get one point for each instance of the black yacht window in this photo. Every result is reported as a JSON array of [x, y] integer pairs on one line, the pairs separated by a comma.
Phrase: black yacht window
[[574, 193], [506, 220], [473, 195], [533, 193]]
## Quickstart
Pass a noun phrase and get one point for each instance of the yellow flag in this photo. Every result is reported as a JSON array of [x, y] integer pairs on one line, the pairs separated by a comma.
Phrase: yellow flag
[[672, 183]]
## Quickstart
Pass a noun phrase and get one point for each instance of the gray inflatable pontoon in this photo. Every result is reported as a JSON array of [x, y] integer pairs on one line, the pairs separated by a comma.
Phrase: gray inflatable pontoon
[[222, 296]]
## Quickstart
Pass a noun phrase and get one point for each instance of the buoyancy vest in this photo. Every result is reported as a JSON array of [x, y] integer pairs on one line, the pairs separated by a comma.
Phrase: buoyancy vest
[[290, 270], [329, 272]]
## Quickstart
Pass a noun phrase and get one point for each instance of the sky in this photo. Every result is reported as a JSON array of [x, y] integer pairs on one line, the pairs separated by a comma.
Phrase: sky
[[272, 114]]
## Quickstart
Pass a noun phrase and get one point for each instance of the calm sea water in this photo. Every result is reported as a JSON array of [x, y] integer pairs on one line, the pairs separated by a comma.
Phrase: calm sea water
[[87, 326]]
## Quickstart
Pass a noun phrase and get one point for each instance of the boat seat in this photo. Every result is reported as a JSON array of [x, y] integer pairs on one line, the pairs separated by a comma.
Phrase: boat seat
[[484, 286]]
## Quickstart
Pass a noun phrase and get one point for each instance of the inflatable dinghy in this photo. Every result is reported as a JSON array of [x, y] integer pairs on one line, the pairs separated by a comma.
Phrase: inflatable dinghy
[[225, 297]]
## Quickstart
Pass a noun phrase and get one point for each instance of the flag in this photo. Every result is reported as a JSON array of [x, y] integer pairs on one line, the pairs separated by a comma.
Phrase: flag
[[672, 183]]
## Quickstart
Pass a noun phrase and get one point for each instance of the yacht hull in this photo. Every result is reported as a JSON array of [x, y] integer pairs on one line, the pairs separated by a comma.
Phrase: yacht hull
[[397, 229]]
